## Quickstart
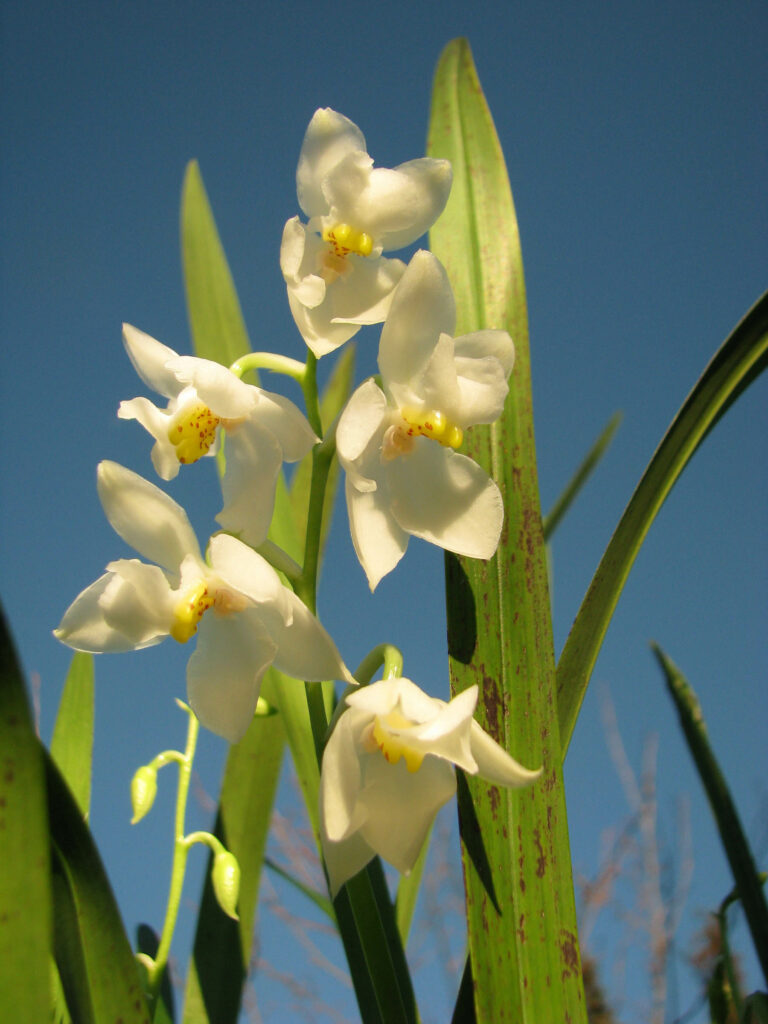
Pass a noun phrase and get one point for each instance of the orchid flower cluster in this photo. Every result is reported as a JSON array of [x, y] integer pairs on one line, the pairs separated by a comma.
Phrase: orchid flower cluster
[[388, 763]]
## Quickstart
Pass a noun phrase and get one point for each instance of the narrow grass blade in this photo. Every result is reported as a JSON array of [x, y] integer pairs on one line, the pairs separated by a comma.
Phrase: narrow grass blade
[[215, 317], [96, 964], [729, 826], [580, 477], [25, 888], [741, 358], [315, 897], [72, 741], [520, 905]]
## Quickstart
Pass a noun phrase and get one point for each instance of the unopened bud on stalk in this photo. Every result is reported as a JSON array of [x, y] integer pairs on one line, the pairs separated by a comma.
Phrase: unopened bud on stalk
[[226, 882], [143, 791]]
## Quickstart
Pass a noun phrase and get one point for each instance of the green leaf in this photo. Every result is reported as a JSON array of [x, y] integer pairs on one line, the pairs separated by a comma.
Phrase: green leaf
[[72, 741], [222, 948], [215, 317], [315, 897], [580, 477], [729, 826], [98, 972], [25, 891], [739, 361], [521, 914], [408, 891], [374, 951]]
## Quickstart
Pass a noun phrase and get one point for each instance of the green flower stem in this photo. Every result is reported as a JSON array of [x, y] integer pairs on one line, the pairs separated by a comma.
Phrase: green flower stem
[[167, 757], [730, 970], [180, 850], [309, 387], [385, 654], [207, 839], [270, 361]]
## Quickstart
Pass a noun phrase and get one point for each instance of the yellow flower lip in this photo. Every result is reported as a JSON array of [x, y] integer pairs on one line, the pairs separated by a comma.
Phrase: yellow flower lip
[[395, 747], [435, 424], [345, 239], [192, 432], [189, 611]]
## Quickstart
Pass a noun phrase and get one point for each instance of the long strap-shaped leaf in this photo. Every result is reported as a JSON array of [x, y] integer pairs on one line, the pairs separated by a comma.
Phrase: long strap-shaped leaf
[[95, 961], [521, 915], [72, 741], [742, 357], [727, 819], [25, 887]]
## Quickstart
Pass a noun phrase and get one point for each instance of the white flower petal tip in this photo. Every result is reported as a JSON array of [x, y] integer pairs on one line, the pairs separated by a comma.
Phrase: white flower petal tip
[[388, 767], [336, 276], [400, 446], [204, 399], [243, 617]]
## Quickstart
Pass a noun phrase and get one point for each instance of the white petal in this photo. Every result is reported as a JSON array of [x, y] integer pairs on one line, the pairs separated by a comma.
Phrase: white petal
[[304, 649], [378, 539], [328, 139], [495, 765], [363, 295], [224, 673], [364, 418], [84, 627], [482, 344], [344, 859], [483, 388], [402, 805], [394, 206], [447, 499], [156, 422], [217, 387], [422, 309], [145, 517], [138, 602], [287, 423], [149, 358], [241, 568], [301, 253], [437, 386], [254, 460], [340, 778], [317, 328]]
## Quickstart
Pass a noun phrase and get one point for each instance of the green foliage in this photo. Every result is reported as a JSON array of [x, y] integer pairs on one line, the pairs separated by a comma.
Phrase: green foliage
[[520, 905], [72, 741], [25, 884], [742, 357], [732, 836]]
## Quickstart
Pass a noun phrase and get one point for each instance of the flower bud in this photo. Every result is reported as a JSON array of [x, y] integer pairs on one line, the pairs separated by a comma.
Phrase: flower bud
[[143, 791], [226, 882]]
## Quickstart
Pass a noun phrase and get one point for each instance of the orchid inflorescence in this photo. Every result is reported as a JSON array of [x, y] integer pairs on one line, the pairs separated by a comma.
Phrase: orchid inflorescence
[[388, 763]]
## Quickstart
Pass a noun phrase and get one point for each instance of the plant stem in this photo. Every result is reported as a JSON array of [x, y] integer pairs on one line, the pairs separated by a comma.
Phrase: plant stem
[[180, 850], [269, 361]]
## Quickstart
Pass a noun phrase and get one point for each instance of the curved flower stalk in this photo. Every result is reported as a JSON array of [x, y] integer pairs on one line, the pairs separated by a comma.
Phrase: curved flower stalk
[[388, 768], [336, 276], [244, 618], [398, 445], [263, 429]]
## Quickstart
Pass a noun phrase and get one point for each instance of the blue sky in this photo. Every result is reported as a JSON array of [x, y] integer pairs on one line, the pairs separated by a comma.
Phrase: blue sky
[[635, 139]]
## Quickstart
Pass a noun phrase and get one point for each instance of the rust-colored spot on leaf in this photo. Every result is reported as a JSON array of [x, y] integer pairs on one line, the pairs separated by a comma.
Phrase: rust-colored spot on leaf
[[569, 952], [541, 860]]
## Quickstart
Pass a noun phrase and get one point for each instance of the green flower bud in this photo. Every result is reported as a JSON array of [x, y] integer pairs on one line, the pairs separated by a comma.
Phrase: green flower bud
[[143, 791], [226, 882]]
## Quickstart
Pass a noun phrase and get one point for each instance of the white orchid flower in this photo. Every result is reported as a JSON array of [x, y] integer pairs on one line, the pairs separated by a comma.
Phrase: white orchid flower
[[336, 276], [244, 618], [397, 445], [263, 429], [388, 768]]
